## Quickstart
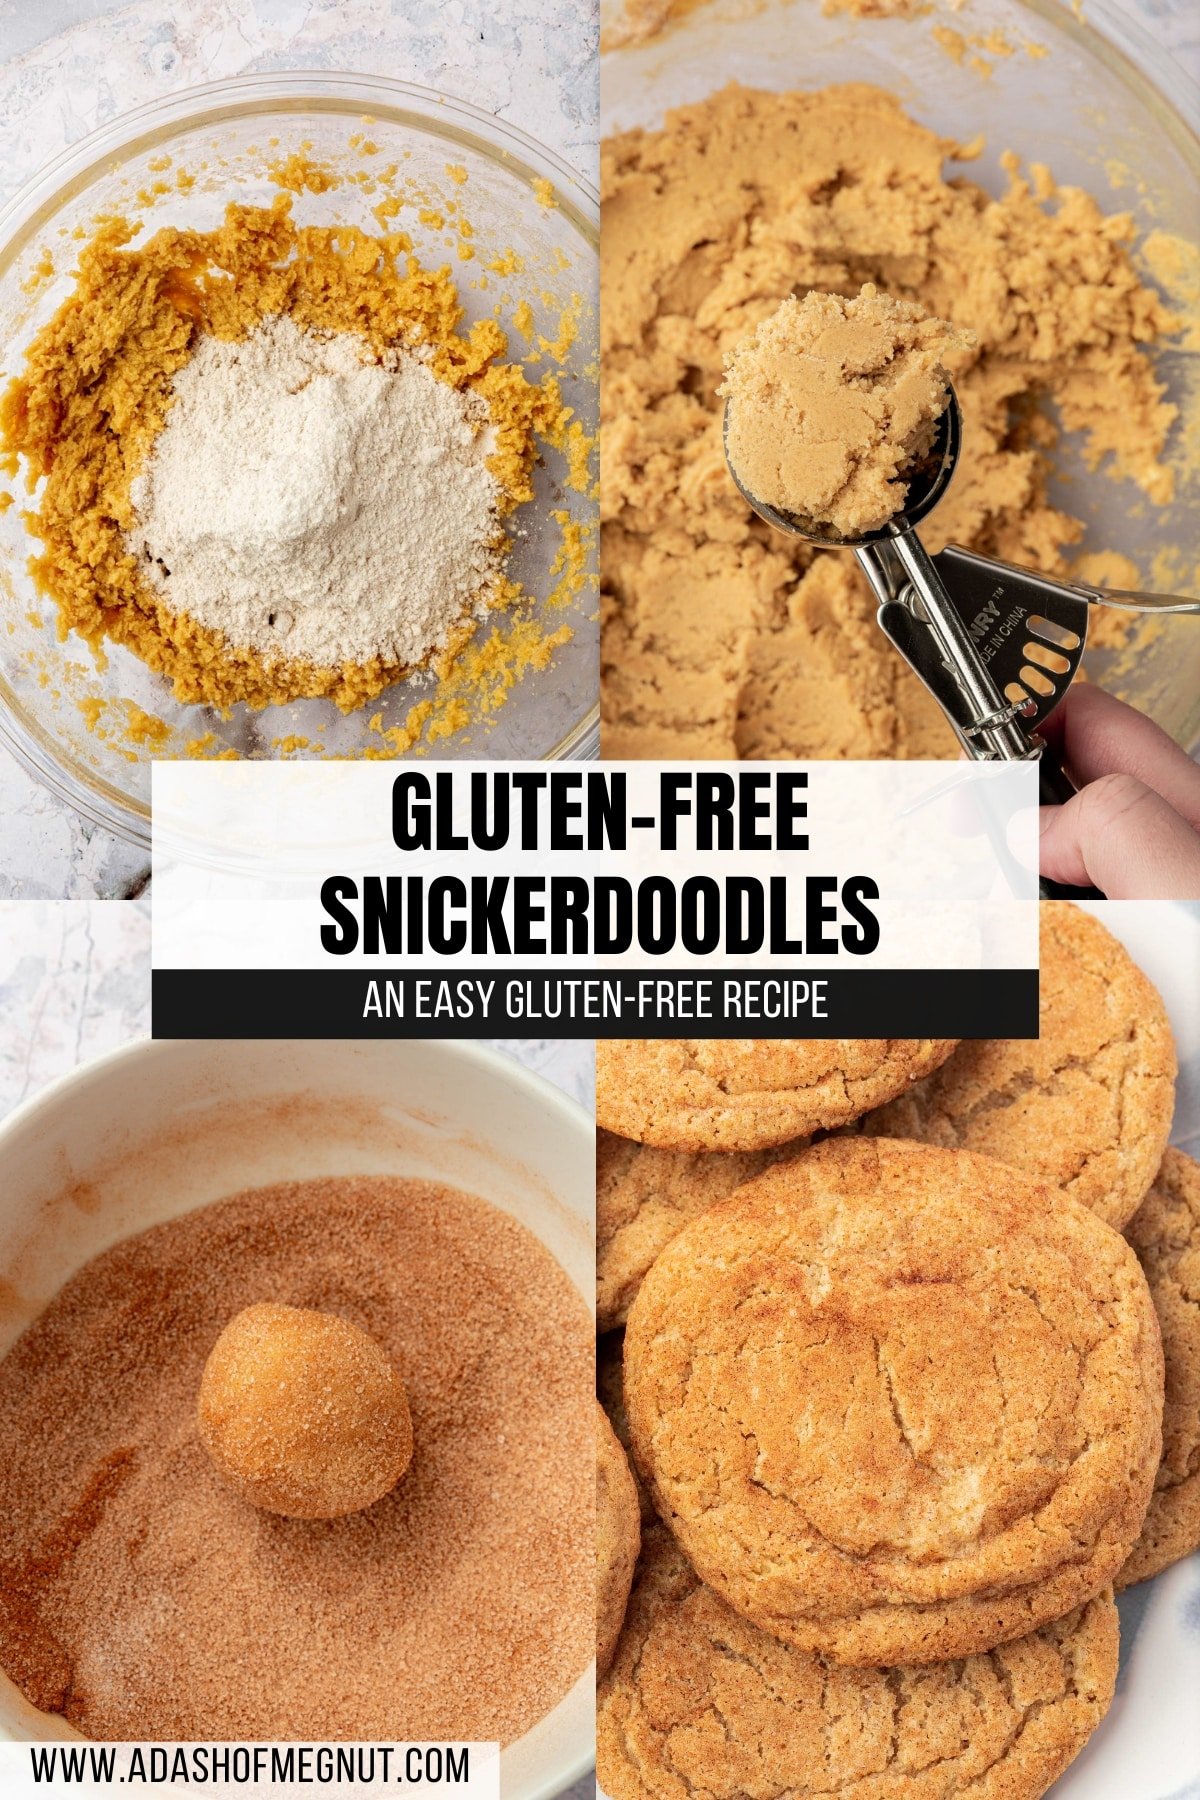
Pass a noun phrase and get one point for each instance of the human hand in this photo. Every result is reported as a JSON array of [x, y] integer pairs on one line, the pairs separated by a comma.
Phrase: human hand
[[1133, 830]]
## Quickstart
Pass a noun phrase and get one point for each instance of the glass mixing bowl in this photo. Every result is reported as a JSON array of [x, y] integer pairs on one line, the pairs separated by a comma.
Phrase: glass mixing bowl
[[1103, 108], [226, 134]]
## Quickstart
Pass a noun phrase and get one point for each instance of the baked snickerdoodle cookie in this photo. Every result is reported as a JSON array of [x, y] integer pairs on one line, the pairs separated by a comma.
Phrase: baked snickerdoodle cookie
[[644, 1196], [610, 1391], [618, 1535], [1087, 1106], [1165, 1232], [699, 1701], [898, 1404], [750, 1093]]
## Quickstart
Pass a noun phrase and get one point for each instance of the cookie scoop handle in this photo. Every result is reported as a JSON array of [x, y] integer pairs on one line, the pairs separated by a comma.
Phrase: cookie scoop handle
[[1055, 789], [1130, 600]]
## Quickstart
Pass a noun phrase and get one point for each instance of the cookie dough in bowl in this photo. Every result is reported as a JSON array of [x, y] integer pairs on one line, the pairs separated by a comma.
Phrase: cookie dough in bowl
[[705, 1094], [898, 1404], [1035, 206], [831, 405], [699, 1695]]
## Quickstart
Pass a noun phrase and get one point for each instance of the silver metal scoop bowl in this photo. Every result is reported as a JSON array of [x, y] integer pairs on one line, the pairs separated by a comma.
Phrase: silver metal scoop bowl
[[997, 646]]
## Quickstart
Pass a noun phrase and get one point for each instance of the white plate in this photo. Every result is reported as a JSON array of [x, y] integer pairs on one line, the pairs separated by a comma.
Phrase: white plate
[[1148, 1748]]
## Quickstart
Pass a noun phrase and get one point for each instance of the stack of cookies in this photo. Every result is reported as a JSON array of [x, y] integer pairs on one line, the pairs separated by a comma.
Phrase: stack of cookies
[[894, 1399]]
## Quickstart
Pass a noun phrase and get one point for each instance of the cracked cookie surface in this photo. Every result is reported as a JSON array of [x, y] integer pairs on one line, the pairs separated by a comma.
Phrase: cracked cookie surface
[[895, 1404], [750, 1093], [700, 1702], [644, 1196], [618, 1536], [1165, 1232], [1087, 1106]]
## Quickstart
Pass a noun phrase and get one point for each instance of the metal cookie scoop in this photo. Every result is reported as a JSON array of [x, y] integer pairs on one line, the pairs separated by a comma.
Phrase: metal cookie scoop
[[995, 645]]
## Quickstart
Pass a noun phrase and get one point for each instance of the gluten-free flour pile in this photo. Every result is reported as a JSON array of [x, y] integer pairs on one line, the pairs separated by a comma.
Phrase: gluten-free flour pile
[[277, 462], [312, 503]]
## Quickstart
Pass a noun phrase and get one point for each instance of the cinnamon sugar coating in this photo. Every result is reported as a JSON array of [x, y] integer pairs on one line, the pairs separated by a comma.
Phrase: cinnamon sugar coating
[[142, 1599], [302, 1413]]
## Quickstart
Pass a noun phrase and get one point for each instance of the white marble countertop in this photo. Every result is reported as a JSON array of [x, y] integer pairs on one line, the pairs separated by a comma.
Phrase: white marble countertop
[[75, 981], [1175, 24], [68, 65]]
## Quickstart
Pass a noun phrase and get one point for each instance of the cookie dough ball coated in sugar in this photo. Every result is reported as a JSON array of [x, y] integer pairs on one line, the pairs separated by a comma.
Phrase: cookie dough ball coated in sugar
[[303, 1413]]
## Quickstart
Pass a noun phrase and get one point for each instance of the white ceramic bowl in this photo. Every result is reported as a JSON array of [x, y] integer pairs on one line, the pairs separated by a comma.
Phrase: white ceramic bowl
[[158, 1128]]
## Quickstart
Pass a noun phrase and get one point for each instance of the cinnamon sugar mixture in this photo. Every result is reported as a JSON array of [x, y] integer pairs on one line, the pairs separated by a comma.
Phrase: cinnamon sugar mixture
[[143, 1599]]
